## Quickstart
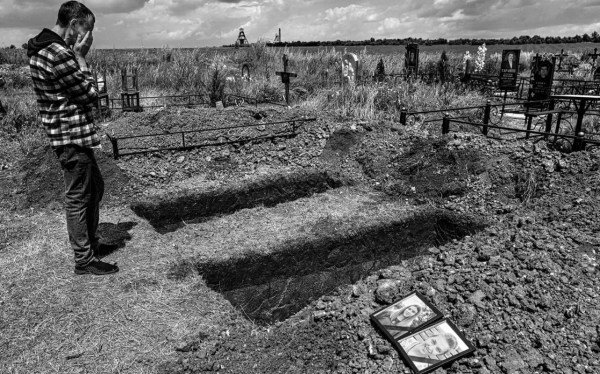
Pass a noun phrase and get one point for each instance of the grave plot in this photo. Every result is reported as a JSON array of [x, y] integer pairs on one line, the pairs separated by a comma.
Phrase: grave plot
[[168, 212], [279, 259]]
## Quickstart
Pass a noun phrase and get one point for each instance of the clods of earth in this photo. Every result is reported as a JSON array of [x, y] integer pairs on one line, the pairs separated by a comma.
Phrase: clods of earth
[[520, 280]]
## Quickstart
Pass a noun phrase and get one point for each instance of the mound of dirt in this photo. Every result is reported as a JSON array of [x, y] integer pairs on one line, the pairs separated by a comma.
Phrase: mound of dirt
[[41, 178]]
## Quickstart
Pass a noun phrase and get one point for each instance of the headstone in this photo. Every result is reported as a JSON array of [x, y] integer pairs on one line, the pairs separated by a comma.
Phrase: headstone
[[411, 61], [245, 71], [219, 105], [379, 75], [594, 56], [349, 68], [597, 74], [509, 69], [540, 81]]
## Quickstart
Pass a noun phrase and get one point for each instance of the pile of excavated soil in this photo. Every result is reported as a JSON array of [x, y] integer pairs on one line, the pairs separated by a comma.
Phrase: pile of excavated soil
[[41, 179], [524, 291]]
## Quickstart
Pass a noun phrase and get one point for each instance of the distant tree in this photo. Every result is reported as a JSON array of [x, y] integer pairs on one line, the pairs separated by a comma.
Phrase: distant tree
[[24, 46], [12, 46]]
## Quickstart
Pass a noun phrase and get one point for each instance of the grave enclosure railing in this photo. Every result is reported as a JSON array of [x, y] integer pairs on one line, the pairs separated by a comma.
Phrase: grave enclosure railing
[[483, 118], [291, 131]]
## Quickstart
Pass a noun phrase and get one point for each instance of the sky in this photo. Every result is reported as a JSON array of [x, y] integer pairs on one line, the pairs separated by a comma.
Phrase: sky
[[206, 23]]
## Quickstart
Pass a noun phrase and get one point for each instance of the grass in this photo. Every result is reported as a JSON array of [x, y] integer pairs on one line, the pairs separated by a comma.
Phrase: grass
[[55, 322]]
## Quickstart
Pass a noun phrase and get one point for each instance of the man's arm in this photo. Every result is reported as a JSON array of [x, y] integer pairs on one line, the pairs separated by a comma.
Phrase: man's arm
[[76, 78]]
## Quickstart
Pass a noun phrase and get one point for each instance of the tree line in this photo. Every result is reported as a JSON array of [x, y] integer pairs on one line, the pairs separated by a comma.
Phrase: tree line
[[524, 39]]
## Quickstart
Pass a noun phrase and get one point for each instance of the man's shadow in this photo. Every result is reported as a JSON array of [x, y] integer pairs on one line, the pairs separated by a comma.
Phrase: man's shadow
[[115, 235]]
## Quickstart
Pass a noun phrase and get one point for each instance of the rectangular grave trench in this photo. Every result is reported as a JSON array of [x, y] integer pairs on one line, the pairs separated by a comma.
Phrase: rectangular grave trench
[[169, 213], [272, 287]]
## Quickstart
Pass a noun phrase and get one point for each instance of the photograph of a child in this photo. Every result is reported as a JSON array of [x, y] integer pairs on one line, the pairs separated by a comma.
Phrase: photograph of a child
[[434, 345], [405, 315]]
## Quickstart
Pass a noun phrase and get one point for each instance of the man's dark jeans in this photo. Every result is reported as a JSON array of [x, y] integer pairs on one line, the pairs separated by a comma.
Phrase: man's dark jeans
[[84, 188]]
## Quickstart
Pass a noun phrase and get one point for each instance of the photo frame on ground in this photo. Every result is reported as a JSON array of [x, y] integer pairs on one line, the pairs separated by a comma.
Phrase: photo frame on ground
[[405, 316], [434, 346]]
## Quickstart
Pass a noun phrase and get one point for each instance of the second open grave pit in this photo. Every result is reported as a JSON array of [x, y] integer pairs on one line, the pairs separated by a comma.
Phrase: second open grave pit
[[275, 261]]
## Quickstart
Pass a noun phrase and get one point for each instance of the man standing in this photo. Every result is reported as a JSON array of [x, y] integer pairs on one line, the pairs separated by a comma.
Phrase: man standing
[[66, 94]]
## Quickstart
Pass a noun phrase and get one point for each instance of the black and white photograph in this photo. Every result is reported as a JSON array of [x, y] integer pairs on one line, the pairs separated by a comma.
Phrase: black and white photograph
[[434, 346], [278, 186], [406, 315], [509, 69]]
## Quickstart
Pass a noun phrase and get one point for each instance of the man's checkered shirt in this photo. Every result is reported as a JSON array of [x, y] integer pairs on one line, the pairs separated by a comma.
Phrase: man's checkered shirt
[[66, 94]]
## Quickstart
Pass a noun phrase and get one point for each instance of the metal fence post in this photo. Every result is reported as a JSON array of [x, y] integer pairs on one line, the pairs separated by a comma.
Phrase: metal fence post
[[558, 119], [446, 124], [486, 116], [529, 122], [115, 147], [403, 116], [549, 119]]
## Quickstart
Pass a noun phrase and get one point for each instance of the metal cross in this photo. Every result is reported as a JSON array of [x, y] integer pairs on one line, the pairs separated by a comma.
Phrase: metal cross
[[285, 78]]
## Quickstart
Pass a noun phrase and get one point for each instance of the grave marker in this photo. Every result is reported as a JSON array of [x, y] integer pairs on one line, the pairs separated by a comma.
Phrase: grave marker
[[411, 60], [379, 75], [597, 74], [245, 71], [560, 58], [542, 74], [509, 70], [594, 56], [349, 68], [285, 78], [130, 94]]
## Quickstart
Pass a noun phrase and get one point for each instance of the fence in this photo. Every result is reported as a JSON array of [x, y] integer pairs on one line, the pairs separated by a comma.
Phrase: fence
[[286, 132], [485, 114]]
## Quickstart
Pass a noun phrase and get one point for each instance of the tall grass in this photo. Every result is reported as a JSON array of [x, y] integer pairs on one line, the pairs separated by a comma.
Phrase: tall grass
[[215, 73]]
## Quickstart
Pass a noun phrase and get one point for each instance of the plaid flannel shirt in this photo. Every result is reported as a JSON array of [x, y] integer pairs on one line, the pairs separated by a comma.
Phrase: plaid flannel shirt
[[66, 94]]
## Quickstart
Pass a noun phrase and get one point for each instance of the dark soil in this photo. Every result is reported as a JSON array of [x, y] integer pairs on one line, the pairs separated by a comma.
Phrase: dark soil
[[524, 290], [38, 180]]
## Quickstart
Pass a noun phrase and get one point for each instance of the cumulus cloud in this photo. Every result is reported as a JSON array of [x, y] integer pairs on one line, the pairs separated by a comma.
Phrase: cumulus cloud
[[115, 6], [128, 23]]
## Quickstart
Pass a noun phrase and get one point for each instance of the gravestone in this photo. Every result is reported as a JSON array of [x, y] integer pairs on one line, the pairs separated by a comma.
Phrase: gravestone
[[542, 74], [597, 74], [349, 68], [509, 70], [245, 71], [379, 75], [411, 59], [594, 56]]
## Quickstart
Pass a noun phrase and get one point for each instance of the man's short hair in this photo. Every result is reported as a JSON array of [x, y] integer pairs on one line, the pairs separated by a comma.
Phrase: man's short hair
[[74, 10]]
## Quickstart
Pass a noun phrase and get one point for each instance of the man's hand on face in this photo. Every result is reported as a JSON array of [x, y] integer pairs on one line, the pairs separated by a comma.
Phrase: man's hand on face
[[83, 44]]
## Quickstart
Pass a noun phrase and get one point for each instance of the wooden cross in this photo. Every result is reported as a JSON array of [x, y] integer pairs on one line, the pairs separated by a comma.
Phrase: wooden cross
[[560, 55], [285, 78]]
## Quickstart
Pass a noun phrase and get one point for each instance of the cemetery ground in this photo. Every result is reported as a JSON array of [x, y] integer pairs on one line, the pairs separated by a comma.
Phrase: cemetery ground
[[269, 256]]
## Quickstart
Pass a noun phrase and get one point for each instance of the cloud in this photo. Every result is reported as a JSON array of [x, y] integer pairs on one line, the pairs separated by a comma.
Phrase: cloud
[[129, 23], [115, 6]]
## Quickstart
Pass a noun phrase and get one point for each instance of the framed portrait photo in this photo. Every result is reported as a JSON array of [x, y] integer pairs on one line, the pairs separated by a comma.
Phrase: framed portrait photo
[[434, 346], [408, 314]]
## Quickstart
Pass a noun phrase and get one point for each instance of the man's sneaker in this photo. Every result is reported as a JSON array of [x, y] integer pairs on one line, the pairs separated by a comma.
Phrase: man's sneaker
[[97, 268]]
